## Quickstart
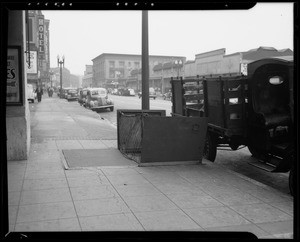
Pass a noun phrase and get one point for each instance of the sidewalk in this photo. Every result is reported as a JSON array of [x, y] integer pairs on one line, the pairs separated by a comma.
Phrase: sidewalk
[[45, 196]]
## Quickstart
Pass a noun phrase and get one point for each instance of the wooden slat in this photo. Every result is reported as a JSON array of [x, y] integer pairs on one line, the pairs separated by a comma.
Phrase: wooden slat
[[234, 108], [193, 87], [234, 83], [189, 97], [237, 94], [191, 80], [195, 105]]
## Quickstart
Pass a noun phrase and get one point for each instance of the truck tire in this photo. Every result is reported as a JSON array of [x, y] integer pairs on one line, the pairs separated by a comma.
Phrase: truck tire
[[254, 152], [291, 181], [210, 147]]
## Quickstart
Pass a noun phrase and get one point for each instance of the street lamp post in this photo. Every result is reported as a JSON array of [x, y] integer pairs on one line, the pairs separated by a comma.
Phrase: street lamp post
[[178, 63], [60, 63], [51, 78]]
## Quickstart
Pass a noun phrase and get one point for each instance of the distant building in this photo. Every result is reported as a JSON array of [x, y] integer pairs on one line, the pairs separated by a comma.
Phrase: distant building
[[189, 68], [124, 69], [87, 79], [216, 62], [55, 77], [74, 81], [165, 70]]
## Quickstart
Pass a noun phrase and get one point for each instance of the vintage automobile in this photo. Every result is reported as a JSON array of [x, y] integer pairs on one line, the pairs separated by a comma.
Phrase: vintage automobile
[[254, 109], [114, 91], [123, 91], [72, 95], [131, 92], [168, 95], [82, 96], [97, 99], [64, 92], [152, 93], [31, 95]]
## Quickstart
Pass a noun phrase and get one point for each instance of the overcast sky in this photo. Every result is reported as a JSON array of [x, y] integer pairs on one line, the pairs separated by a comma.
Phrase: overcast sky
[[83, 35]]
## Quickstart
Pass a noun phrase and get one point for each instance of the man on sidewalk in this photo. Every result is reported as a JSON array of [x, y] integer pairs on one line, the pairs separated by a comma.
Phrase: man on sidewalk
[[39, 93]]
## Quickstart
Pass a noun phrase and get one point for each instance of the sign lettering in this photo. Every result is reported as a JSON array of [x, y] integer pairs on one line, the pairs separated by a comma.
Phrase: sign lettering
[[41, 38], [13, 95]]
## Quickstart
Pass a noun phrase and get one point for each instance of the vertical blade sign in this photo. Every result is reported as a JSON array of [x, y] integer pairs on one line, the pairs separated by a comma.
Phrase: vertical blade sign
[[41, 38]]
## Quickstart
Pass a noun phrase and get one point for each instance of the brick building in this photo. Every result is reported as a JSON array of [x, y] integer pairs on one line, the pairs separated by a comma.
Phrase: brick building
[[38, 43], [124, 69]]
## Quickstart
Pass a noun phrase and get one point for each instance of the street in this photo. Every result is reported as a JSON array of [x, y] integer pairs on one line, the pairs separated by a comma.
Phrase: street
[[133, 102]]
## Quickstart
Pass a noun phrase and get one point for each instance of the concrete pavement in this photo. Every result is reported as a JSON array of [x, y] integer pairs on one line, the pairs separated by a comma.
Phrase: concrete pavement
[[45, 196]]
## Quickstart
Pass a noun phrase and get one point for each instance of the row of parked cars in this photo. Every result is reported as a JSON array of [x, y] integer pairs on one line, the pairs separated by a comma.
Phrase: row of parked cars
[[92, 98], [123, 91]]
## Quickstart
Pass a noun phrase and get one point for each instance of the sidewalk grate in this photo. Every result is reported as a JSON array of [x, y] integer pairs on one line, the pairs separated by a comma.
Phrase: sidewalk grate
[[95, 158], [41, 139]]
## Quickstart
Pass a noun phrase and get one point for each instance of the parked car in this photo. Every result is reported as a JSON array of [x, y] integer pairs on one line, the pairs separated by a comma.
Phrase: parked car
[[131, 92], [114, 91], [152, 93], [123, 91], [72, 95], [97, 99], [168, 95], [82, 96], [64, 92], [31, 95]]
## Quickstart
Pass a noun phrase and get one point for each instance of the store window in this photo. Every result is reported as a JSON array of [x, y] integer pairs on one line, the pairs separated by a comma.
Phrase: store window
[[136, 65], [111, 64], [121, 64]]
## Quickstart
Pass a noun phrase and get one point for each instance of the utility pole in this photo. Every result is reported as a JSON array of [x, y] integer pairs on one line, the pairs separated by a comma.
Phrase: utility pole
[[145, 62]]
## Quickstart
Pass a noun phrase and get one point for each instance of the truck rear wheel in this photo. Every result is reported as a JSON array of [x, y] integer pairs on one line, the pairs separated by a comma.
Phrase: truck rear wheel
[[210, 147], [254, 152]]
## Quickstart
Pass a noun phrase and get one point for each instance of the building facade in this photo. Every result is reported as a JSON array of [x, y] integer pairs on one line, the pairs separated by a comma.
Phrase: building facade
[[87, 79], [216, 62], [38, 58], [124, 69], [164, 71], [55, 77], [17, 107], [74, 81]]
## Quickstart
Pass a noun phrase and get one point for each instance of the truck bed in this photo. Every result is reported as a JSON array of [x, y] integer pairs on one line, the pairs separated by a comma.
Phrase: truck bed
[[222, 100]]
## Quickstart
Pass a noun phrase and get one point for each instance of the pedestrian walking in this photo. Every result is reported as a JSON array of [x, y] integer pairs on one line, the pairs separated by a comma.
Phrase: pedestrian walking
[[39, 93], [51, 90]]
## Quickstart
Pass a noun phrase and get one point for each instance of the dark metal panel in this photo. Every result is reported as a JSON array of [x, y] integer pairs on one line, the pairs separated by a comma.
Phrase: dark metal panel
[[135, 112], [173, 139], [215, 103], [177, 97]]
